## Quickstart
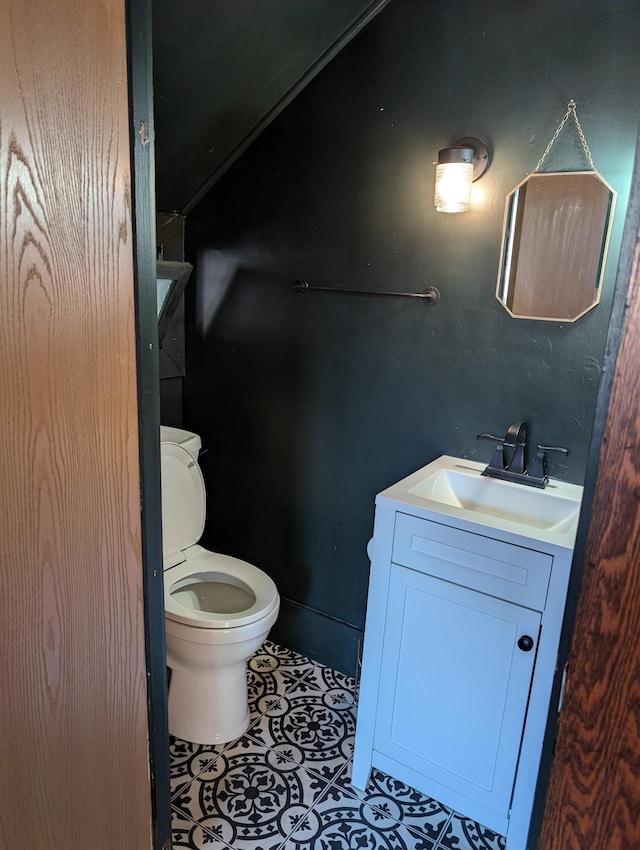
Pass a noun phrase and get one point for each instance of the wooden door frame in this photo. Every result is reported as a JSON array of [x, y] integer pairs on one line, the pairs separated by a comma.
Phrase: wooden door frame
[[140, 64], [547, 798]]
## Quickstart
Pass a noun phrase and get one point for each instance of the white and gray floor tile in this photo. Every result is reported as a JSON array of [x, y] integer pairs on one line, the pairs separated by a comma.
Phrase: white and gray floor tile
[[284, 785]]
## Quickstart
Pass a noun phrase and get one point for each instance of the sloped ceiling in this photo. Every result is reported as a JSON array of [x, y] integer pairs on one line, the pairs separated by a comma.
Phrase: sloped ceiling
[[223, 69]]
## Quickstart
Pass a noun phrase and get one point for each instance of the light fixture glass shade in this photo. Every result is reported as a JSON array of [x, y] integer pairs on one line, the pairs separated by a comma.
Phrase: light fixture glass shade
[[453, 187], [457, 168]]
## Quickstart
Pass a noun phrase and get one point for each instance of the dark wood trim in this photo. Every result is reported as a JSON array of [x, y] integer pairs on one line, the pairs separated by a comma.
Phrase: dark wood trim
[[375, 7], [143, 167], [593, 798]]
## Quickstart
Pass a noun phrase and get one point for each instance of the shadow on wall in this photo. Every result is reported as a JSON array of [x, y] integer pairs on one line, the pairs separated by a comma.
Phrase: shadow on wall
[[250, 437], [271, 395]]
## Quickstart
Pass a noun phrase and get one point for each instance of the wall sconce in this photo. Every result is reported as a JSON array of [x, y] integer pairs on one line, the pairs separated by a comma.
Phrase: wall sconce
[[457, 168]]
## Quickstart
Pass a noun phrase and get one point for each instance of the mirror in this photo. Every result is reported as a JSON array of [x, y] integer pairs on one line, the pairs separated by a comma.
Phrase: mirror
[[171, 279], [554, 245]]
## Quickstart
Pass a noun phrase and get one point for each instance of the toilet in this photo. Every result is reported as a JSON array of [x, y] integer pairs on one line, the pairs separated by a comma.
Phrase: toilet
[[218, 609]]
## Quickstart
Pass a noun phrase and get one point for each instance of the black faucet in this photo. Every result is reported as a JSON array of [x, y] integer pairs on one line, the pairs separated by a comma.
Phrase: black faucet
[[538, 471], [513, 468]]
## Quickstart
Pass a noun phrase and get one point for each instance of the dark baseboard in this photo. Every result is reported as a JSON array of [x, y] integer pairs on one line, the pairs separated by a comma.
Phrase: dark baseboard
[[318, 636]]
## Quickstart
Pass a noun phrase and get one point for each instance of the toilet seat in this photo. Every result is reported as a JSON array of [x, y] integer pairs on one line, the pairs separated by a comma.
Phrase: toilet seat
[[184, 606]]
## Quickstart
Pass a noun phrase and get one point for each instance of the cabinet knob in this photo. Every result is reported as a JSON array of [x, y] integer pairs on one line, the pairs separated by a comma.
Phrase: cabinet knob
[[525, 643]]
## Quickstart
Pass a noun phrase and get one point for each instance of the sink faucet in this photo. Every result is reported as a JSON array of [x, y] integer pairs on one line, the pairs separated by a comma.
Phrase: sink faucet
[[514, 469], [516, 439]]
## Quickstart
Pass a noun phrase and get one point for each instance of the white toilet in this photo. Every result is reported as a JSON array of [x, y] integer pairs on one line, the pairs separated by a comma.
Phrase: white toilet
[[218, 609]]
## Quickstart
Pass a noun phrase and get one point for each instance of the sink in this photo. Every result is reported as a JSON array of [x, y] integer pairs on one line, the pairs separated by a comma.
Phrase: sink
[[453, 485]]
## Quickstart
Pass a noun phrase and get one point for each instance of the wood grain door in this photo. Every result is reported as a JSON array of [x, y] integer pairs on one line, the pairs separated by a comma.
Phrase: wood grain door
[[593, 798], [74, 769]]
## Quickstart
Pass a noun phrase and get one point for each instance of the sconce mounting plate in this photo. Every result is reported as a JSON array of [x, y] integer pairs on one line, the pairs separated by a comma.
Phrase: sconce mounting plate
[[480, 154]]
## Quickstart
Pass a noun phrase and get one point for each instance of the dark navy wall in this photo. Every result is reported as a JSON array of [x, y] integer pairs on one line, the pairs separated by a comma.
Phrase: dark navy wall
[[310, 405]]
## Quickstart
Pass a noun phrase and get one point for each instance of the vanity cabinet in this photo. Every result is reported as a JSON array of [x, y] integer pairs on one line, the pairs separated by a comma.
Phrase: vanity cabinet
[[463, 624]]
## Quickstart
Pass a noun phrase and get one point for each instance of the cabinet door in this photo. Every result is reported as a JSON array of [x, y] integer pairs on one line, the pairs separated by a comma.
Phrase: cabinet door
[[454, 689]]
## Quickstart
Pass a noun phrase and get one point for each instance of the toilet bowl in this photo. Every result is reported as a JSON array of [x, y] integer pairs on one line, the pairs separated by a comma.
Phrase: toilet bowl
[[218, 609]]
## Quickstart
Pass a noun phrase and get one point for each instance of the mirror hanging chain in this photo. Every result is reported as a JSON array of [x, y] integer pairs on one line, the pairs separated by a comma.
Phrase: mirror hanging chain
[[571, 110]]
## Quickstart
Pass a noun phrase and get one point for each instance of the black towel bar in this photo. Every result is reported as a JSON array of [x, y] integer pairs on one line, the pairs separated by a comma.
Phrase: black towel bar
[[430, 295]]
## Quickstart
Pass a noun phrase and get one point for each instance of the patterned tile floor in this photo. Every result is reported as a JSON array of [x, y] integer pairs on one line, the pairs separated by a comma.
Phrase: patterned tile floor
[[284, 785]]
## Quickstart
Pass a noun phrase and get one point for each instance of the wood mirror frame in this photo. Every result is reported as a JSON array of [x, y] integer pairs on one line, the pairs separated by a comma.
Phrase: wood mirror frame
[[554, 245]]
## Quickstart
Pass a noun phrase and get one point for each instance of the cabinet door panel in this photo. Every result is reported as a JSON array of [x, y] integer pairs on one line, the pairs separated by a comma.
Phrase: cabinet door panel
[[455, 685]]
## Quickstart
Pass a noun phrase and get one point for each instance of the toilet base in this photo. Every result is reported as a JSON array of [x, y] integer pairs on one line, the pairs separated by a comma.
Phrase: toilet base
[[209, 707]]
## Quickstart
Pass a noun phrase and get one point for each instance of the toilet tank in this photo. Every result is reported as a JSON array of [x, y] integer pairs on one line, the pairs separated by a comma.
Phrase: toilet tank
[[187, 439]]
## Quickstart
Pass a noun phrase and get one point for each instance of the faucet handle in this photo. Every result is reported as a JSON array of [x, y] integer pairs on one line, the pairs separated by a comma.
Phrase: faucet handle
[[489, 437], [558, 449], [497, 461], [538, 469]]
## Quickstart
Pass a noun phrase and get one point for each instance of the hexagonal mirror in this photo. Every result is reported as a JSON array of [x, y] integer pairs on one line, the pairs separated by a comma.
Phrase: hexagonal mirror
[[554, 245]]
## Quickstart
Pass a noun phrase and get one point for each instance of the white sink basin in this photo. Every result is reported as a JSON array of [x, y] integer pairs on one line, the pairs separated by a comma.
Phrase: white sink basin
[[452, 483]]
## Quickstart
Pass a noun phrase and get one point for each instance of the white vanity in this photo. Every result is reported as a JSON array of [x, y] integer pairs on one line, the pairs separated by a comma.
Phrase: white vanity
[[466, 598]]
